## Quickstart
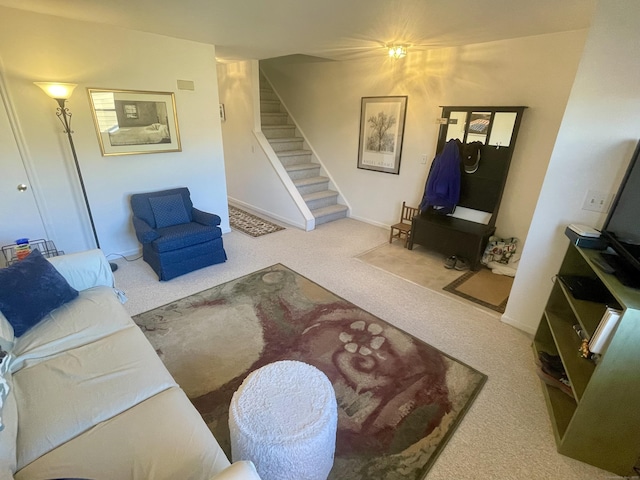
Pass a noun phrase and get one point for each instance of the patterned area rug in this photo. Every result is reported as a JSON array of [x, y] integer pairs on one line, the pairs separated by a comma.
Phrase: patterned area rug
[[399, 399], [484, 288], [250, 224]]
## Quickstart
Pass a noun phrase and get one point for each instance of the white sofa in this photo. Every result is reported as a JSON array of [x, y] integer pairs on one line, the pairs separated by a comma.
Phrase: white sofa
[[89, 397]]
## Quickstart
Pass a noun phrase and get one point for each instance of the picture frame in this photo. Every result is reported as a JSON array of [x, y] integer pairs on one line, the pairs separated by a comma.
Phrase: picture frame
[[132, 122], [382, 121]]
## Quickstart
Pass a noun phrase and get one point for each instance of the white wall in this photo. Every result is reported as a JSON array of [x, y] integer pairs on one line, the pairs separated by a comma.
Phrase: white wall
[[251, 179], [43, 48], [599, 131], [324, 98]]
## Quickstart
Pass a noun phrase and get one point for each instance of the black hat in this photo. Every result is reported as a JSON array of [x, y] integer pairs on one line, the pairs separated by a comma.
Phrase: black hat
[[471, 156]]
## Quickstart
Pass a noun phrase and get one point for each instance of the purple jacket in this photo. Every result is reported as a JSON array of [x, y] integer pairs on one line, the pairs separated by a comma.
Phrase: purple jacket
[[442, 191]]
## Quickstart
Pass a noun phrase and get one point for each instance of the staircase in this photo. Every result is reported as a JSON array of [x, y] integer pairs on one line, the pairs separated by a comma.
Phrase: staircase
[[298, 162]]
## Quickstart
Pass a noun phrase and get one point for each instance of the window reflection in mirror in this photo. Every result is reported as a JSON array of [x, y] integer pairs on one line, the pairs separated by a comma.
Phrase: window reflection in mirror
[[503, 123], [456, 126], [478, 127]]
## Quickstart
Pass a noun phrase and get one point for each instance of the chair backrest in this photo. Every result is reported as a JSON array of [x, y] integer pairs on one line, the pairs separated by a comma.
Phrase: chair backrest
[[142, 208], [408, 213]]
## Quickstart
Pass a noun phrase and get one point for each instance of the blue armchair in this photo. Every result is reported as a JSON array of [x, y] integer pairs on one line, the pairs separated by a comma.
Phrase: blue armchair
[[176, 238]]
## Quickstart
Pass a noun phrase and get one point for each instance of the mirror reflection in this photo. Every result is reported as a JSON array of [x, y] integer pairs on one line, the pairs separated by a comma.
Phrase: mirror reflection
[[502, 129]]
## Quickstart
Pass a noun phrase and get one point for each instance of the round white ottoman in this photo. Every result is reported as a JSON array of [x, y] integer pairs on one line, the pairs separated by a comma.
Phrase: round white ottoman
[[283, 418]]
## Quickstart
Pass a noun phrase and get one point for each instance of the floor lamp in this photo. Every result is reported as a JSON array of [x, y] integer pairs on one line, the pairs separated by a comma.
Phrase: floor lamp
[[61, 92]]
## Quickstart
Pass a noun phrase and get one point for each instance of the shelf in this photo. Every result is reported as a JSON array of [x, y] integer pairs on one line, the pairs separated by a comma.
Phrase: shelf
[[600, 425], [588, 313], [579, 370], [560, 405]]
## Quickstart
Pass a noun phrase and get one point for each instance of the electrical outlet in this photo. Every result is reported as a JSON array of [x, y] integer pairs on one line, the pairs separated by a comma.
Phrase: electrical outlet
[[597, 201], [423, 159]]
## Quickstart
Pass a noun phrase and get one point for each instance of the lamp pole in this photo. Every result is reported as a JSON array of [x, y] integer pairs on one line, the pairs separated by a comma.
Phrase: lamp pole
[[64, 115], [60, 92]]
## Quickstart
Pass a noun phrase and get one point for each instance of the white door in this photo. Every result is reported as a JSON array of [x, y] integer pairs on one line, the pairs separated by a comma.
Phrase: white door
[[19, 215]]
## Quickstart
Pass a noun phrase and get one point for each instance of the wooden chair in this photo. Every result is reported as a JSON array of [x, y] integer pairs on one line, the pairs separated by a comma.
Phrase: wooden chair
[[403, 227]]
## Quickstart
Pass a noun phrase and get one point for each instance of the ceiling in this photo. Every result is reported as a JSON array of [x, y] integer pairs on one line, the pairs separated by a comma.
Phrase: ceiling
[[332, 29]]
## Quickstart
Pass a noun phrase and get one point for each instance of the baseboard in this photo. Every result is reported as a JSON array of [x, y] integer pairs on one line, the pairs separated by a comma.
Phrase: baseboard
[[370, 222], [519, 325], [257, 210]]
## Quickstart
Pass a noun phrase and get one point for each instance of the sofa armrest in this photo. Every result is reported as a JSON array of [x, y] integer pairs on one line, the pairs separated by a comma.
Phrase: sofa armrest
[[144, 232], [204, 218], [241, 470], [84, 269]]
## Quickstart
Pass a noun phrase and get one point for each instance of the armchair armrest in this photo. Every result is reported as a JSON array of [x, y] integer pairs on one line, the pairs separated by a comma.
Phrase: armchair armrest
[[204, 218], [241, 470], [144, 232]]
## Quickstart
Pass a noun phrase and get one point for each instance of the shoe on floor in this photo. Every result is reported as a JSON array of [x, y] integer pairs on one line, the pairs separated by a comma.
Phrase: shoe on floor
[[561, 384], [461, 264], [450, 262], [550, 361]]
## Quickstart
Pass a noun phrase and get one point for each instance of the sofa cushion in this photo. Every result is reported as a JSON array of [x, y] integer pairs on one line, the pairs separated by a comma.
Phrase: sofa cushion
[[66, 395], [9, 434], [169, 210], [84, 269], [161, 438], [6, 333], [95, 314], [30, 289]]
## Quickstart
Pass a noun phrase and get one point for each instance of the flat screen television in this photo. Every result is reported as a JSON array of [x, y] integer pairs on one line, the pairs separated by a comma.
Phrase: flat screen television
[[621, 229]]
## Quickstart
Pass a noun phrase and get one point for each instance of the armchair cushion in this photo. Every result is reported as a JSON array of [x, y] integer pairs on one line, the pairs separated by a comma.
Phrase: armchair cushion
[[181, 236], [169, 210]]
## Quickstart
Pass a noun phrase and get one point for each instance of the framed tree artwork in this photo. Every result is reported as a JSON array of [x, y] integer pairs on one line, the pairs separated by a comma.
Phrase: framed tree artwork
[[381, 132]]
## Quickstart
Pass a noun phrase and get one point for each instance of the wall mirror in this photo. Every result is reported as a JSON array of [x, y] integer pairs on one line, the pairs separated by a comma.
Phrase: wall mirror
[[488, 125]]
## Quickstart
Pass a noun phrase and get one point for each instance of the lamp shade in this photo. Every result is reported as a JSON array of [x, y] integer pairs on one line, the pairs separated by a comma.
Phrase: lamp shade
[[57, 90]]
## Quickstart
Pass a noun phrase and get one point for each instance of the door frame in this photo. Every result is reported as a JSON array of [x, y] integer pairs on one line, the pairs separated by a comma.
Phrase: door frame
[[25, 157]]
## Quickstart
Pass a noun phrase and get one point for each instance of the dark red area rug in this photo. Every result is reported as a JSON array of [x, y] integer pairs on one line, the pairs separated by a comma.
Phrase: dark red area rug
[[399, 399]]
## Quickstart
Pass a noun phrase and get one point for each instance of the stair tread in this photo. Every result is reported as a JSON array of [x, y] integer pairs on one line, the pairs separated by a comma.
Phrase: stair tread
[[318, 212], [274, 114], [276, 127], [303, 182], [318, 195], [292, 153], [287, 139], [301, 166]]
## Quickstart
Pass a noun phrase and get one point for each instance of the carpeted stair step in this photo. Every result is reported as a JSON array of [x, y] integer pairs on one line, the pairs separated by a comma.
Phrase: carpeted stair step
[[279, 118], [311, 184], [322, 199], [286, 144], [291, 157], [302, 170], [267, 94], [329, 214], [270, 106], [279, 131]]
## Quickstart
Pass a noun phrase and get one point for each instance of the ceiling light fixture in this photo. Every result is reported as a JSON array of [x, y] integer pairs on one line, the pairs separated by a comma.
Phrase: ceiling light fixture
[[397, 51]]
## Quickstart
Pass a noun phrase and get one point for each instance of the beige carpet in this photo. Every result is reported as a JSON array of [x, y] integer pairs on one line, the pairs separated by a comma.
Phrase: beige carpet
[[506, 435], [426, 268], [418, 266]]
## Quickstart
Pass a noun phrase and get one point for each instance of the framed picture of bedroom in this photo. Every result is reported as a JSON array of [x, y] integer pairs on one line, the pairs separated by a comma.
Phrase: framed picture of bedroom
[[131, 122]]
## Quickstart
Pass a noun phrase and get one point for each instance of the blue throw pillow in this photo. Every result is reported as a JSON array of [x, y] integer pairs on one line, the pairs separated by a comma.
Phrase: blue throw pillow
[[168, 210], [30, 289]]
